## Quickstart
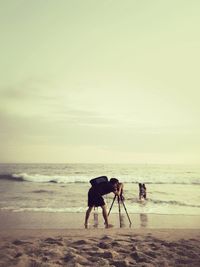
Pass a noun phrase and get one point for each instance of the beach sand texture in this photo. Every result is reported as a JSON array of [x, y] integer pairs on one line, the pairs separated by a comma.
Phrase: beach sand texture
[[100, 247]]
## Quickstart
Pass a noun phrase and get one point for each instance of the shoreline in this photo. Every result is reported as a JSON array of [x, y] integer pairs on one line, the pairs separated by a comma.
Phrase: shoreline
[[51, 220]]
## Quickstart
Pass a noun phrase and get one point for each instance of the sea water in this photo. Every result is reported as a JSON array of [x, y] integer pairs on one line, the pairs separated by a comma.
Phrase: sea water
[[171, 189]]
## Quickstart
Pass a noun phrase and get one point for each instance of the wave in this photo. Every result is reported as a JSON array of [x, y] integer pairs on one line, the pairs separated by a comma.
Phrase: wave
[[39, 178], [66, 179], [172, 202], [42, 191], [35, 209], [131, 209], [11, 177]]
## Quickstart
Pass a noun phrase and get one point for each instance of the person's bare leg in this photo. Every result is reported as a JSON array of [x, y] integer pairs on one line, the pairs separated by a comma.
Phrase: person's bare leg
[[87, 215], [105, 216]]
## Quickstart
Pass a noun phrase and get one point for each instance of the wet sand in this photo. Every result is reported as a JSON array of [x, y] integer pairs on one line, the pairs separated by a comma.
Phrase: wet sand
[[51, 220]]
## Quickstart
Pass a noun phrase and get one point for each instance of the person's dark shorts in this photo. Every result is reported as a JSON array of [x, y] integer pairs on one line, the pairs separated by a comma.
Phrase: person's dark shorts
[[94, 198]]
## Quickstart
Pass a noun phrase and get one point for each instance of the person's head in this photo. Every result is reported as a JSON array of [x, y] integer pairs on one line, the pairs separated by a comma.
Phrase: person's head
[[114, 182], [140, 185]]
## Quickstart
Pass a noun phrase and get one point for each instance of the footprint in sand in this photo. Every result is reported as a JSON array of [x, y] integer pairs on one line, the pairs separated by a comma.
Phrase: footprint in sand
[[71, 258], [141, 257], [19, 254], [80, 242], [54, 241], [115, 244], [104, 245], [122, 263], [106, 237], [18, 242]]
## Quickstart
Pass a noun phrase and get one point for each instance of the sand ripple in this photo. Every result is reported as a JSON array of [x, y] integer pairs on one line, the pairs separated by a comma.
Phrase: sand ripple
[[104, 251]]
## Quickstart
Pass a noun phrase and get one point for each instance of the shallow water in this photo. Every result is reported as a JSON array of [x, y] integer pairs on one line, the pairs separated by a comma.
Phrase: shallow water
[[63, 187]]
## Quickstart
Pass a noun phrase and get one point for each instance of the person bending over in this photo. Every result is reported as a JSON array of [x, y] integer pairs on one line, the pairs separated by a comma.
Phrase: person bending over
[[95, 198]]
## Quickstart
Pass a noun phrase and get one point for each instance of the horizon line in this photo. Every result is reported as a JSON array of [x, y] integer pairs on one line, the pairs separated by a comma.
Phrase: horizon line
[[102, 163]]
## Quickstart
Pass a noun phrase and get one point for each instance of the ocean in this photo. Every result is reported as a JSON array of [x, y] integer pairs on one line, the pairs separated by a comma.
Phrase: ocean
[[171, 189]]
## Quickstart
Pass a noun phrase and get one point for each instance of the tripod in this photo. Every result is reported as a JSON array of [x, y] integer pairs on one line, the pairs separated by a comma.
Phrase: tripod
[[120, 199]]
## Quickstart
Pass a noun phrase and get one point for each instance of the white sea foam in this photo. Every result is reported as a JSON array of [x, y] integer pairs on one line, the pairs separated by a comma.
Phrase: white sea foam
[[132, 209], [41, 178], [34, 209]]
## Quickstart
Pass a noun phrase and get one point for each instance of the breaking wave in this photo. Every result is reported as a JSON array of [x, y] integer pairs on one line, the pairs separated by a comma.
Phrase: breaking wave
[[66, 179], [172, 203]]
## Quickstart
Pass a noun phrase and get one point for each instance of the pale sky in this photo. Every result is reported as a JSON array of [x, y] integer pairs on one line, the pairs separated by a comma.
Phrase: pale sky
[[100, 81]]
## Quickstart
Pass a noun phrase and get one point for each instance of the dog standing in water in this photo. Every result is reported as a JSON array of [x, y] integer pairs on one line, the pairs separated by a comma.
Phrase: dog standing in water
[[142, 192]]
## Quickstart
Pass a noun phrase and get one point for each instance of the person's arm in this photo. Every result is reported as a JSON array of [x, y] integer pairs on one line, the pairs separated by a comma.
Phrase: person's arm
[[119, 190]]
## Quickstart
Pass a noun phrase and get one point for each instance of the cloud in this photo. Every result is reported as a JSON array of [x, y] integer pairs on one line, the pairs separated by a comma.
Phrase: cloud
[[36, 102]]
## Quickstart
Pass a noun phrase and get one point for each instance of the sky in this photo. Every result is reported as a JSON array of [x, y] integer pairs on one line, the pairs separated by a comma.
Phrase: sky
[[100, 81]]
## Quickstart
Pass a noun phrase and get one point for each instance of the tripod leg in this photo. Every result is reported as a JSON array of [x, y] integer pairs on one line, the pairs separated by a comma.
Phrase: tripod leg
[[119, 212], [112, 205], [126, 212]]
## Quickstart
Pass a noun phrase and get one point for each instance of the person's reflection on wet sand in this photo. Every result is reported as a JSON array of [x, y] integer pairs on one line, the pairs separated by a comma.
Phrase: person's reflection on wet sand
[[143, 220]]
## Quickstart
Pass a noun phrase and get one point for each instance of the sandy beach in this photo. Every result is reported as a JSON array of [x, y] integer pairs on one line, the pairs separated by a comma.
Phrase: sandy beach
[[109, 247], [42, 245]]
